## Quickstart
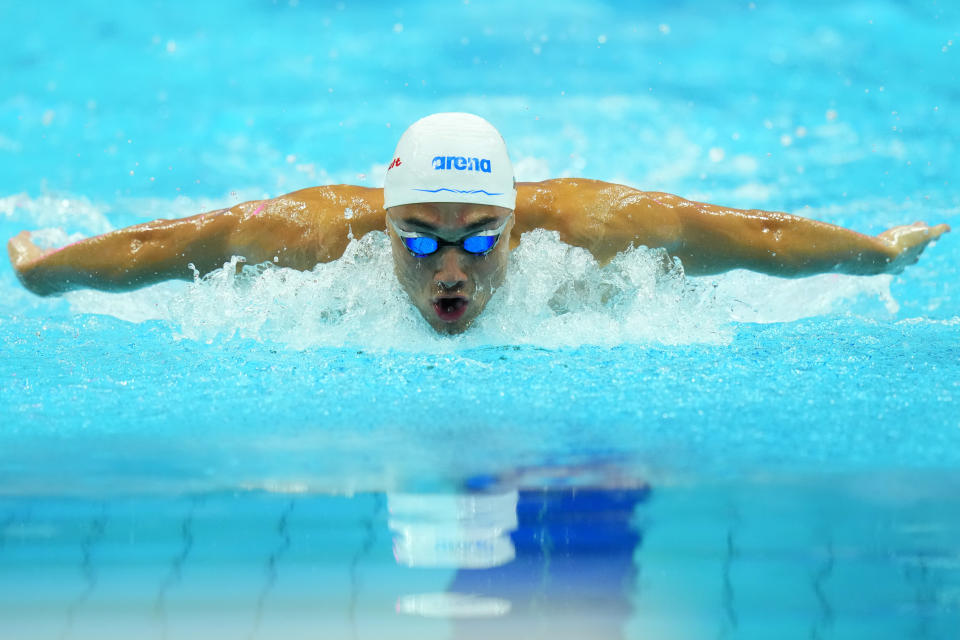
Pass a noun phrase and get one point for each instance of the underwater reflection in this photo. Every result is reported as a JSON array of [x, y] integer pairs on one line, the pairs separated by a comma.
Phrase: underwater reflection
[[530, 557], [460, 531]]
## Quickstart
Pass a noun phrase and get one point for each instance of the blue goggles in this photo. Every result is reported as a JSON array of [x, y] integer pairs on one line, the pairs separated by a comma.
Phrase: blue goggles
[[421, 246]]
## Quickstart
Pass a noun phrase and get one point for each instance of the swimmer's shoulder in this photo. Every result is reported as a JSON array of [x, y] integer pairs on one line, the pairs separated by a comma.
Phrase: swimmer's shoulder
[[360, 207], [572, 198], [602, 217], [575, 192], [327, 198], [557, 204]]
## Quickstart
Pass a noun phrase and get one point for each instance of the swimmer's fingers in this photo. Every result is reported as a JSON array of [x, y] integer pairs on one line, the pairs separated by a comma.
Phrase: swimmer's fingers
[[23, 251], [907, 242], [938, 230]]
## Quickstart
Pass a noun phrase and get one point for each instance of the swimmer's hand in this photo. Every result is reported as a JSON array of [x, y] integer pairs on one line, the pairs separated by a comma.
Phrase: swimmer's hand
[[23, 251], [907, 242]]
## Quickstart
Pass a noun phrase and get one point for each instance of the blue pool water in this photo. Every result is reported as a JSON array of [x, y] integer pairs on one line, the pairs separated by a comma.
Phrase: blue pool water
[[615, 452]]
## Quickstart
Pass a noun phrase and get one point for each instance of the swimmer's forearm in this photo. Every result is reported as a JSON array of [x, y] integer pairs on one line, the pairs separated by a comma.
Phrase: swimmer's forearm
[[128, 258], [715, 239]]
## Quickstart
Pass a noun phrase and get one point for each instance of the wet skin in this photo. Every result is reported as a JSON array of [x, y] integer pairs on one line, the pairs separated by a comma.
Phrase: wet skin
[[301, 229], [450, 287]]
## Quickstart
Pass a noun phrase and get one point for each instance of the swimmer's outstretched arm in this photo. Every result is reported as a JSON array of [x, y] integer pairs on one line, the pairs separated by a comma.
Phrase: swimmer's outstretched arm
[[297, 230], [307, 227], [608, 218]]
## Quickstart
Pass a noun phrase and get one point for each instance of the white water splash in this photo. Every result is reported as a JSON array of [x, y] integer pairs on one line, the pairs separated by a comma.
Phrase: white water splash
[[79, 215], [554, 296]]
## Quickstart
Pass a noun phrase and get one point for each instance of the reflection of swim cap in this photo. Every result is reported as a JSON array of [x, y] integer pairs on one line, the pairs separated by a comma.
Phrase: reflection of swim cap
[[450, 157]]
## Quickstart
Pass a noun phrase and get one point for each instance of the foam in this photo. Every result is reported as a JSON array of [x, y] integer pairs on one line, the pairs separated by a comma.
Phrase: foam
[[554, 296], [78, 214], [949, 322]]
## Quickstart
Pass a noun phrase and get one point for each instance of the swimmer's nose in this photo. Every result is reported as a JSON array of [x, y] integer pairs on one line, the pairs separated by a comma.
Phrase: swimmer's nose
[[449, 274]]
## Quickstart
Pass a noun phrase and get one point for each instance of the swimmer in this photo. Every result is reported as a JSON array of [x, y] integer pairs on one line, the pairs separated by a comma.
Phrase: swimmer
[[453, 212]]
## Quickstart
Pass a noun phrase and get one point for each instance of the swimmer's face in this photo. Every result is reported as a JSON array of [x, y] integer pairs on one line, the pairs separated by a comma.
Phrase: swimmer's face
[[450, 287]]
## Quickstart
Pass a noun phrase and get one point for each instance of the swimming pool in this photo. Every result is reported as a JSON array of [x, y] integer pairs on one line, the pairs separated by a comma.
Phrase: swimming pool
[[285, 454]]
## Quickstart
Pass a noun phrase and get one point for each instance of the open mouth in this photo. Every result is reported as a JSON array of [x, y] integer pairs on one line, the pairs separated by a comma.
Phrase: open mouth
[[450, 309]]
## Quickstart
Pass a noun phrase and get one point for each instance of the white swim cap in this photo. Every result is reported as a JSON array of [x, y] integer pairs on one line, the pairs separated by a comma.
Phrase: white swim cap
[[450, 157]]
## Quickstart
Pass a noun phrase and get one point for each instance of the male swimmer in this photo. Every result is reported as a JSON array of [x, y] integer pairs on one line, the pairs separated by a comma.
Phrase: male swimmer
[[453, 211]]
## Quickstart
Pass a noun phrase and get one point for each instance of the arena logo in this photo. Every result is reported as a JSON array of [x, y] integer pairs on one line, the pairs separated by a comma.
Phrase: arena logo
[[459, 163]]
